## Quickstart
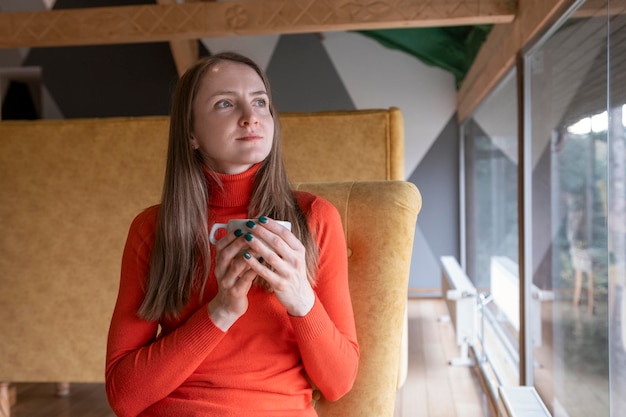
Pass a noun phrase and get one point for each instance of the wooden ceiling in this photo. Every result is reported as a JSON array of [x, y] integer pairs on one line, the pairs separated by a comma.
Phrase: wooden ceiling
[[183, 22]]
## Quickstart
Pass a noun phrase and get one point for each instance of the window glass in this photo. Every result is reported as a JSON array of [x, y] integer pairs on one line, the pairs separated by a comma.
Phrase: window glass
[[617, 207], [491, 236], [570, 164]]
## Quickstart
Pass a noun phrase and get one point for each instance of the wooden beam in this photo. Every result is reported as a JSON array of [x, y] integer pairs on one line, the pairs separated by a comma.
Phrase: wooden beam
[[184, 51], [499, 52], [195, 20]]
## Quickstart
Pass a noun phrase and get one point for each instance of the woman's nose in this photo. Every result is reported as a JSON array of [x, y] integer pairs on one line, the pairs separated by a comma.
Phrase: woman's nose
[[248, 118]]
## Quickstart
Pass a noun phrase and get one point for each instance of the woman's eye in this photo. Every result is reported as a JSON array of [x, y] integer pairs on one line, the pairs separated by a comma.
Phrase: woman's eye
[[261, 102], [223, 104]]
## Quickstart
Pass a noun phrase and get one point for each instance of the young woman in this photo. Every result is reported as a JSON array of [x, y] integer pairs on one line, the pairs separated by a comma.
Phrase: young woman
[[239, 328]]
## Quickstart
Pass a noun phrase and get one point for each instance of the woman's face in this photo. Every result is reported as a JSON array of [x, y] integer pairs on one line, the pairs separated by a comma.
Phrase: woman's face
[[233, 128]]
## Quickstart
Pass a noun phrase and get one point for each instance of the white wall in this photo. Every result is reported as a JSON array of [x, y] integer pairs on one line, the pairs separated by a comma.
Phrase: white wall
[[379, 77]]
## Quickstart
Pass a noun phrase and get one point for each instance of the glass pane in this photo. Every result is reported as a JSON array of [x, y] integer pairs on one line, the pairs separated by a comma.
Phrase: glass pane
[[617, 207], [568, 156], [491, 178]]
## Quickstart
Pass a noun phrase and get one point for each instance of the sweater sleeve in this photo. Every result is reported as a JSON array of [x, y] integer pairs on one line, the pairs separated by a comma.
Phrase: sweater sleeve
[[142, 368], [327, 335]]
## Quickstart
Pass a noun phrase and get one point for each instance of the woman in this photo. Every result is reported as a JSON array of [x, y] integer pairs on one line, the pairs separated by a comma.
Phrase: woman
[[246, 329]]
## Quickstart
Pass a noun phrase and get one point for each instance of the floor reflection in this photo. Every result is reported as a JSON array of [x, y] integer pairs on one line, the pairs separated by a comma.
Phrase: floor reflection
[[579, 365]]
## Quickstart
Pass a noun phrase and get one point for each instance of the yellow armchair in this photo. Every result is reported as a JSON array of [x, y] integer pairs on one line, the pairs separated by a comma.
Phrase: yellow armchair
[[379, 223], [69, 189]]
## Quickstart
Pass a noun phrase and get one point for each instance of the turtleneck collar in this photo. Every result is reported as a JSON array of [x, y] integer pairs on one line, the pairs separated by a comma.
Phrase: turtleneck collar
[[235, 190]]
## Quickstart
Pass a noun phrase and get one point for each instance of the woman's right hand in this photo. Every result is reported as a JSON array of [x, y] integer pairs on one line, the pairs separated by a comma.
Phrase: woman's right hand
[[234, 279]]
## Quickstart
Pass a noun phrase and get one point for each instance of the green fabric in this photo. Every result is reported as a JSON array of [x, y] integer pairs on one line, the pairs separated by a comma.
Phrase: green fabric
[[450, 48]]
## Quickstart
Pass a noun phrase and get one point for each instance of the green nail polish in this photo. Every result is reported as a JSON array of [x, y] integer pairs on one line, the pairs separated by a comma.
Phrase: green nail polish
[[250, 224], [247, 255], [263, 219], [261, 259], [238, 232], [248, 237]]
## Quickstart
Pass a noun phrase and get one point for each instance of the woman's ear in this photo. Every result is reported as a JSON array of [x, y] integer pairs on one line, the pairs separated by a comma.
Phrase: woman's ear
[[194, 143]]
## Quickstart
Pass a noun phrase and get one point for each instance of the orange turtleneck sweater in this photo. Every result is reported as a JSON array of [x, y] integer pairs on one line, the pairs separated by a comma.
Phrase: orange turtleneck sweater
[[260, 366]]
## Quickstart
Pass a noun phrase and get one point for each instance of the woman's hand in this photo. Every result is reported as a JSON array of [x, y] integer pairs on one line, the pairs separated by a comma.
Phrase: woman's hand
[[287, 276], [234, 279]]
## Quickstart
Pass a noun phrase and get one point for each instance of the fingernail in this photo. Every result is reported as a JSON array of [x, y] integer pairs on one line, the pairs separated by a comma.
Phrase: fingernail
[[263, 219], [261, 259], [250, 224], [238, 232], [248, 237], [247, 255]]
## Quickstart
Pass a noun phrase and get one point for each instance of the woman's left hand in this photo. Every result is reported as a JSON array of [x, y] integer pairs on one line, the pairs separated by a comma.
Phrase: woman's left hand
[[288, 275]]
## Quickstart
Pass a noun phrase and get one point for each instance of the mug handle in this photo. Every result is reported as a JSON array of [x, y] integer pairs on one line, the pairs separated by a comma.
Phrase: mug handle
[[214, 229]]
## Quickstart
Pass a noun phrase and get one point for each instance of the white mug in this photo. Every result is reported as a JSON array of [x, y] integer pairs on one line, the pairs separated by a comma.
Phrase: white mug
[[234, 224]]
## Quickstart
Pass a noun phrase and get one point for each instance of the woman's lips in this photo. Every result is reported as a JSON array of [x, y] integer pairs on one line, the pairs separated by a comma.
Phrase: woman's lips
[[250, 137]]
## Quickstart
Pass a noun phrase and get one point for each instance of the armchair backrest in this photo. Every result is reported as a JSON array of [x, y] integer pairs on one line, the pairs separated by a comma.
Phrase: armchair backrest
[[379, 223], [354, 145], [69, 189]]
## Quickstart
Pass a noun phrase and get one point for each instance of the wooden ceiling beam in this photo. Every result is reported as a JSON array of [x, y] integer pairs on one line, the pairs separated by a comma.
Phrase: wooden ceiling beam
[[184, 51], [195, 20], [499, 54]]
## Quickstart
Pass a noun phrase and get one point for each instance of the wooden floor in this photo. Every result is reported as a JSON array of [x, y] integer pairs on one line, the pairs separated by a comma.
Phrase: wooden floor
[[433, 388]]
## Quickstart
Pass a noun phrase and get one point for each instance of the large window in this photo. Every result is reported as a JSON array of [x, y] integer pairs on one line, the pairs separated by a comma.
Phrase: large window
[[574, 212], [573, 173], [490, 142]]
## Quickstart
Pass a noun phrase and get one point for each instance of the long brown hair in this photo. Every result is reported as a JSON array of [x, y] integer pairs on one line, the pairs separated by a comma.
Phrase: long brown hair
[[181, 252]]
